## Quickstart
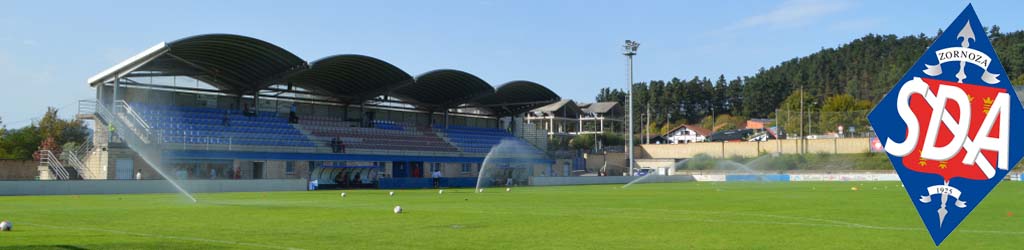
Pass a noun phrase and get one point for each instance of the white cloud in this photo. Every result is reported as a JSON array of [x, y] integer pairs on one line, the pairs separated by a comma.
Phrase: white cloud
[[791, 13]]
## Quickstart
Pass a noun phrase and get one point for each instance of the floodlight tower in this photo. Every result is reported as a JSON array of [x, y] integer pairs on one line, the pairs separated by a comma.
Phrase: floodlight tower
[[630, 51]]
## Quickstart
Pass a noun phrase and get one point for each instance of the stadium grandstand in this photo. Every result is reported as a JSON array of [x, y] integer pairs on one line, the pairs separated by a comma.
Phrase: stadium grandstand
[[222, 106]]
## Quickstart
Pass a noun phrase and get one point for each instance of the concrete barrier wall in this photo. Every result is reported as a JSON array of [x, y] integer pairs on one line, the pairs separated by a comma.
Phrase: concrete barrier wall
[[756, 177], [18, 169], [591, 180], [751, 149], [146, 186], [845, 177], [800, 177]]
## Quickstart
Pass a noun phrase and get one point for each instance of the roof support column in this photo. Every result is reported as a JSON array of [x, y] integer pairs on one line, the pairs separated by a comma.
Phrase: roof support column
[[113, 97], [99, 92], [446, 119], [256, 102]]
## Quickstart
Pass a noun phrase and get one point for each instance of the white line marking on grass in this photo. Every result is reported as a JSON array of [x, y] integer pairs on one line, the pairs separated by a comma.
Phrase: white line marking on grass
[[827, 223], [165, 236], [833, 223]]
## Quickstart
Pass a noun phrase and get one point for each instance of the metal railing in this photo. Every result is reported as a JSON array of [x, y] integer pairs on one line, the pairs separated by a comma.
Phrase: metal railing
[[75, 158], [229, 143], [125, 122], [47, 157], [130, 112], [86, 107]]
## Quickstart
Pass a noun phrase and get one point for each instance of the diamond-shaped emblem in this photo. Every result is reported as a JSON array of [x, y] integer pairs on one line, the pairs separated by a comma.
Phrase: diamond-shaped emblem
[[948, 125]]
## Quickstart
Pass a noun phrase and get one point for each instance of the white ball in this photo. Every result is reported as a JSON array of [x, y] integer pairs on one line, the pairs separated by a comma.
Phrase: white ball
[[392, 193], [480, 191], [508, 189], [440, 191], [398, 209], [5, 226], [342, 194]]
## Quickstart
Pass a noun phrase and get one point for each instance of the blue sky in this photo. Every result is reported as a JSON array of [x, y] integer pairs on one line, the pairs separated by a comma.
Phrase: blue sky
[[48, 49]]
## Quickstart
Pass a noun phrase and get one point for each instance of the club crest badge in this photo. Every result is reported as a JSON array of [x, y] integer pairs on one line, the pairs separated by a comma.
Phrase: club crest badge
[[948, 125]]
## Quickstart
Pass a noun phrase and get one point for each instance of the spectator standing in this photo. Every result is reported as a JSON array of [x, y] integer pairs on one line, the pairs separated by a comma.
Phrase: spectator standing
[[292, 117], [436, 175]]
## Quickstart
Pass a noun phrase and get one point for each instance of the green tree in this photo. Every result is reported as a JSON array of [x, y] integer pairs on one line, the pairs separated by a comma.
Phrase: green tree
[[612, 139], [843, 110], [790, 115], [584, 142], [20, 143], [51, 129]]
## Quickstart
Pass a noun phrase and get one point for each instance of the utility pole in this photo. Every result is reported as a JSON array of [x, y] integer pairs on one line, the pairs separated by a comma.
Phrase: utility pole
[[630, 51], [778, 131], [647, 127], [802, 135]]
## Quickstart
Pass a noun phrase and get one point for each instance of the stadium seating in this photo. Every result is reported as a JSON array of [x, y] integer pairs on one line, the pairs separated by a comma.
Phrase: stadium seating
[[199, 125], [384, 135], [474, 139]]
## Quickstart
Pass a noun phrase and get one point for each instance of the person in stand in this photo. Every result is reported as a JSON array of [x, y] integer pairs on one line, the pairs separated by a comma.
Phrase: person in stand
[[138, 174], [292, 117], [356, 180], [227, 120], [110, 129], [436, 175], [334, 144], [213, 173], [248, 111]]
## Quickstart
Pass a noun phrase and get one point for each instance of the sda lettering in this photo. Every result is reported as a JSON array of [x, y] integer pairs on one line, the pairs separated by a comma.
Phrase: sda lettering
[[959, 126]]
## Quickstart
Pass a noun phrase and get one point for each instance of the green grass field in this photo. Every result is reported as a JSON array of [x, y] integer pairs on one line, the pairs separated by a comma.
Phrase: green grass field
[[809, 215]]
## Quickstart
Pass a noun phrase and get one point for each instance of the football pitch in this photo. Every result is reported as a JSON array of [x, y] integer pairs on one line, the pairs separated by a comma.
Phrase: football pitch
[[696, 215]]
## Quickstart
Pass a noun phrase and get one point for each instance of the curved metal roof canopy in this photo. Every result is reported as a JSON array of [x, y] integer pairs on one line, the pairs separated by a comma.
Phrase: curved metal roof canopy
[[445, 88], [351, 78], [518, 96], [244, 65], [228, 62]]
